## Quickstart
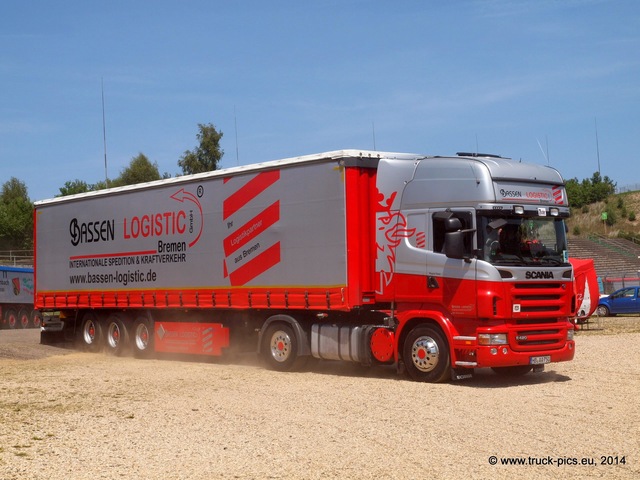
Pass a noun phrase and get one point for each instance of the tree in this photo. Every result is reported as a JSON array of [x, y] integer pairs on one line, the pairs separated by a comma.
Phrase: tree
[[205, 157], [16, 216], [139, 170], [595, 189], [74, 187]]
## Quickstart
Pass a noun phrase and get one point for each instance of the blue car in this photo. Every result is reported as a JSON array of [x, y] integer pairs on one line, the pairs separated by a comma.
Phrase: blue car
[[621, 302]]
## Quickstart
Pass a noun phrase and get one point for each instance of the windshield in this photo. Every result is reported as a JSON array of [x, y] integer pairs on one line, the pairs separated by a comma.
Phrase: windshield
[[522, 240]]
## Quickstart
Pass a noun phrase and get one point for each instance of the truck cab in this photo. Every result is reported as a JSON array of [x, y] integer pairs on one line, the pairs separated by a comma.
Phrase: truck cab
[[489, 235]]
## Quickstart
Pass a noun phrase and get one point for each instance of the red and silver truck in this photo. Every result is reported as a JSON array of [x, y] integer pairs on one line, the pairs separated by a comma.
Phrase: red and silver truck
[[16, 298], [438, 265]]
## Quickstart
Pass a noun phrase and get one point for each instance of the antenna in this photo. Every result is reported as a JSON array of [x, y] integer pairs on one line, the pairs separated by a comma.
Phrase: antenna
[[546, 139], [545, 155], [595, 120], [235, 123], [104, 135], [373, 129]]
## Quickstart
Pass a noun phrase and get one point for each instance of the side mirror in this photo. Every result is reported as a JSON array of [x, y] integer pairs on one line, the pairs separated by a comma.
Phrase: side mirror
[[454, 244]]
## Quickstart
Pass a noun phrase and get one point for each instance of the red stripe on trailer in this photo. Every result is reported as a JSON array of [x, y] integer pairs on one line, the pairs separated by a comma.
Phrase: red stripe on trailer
[[252, 228], [249, 191], [256, 266]]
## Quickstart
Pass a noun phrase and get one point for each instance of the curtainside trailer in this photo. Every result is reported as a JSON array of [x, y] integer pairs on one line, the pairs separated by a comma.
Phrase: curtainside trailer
[[439, 265]]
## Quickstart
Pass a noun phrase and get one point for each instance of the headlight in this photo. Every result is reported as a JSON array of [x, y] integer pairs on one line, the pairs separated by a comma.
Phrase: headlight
[[570, 334], [492, 339]]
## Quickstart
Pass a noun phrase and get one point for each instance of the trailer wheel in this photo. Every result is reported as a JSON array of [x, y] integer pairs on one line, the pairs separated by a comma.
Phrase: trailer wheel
[[280, 348], [513, 371], [10, 318], [426, 355], [116, 335], [91, 333], [142, 337], [36, 319], [23, 318]]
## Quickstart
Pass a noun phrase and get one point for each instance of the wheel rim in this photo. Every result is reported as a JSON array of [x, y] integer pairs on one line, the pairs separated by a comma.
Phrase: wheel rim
[[89, 332], [24, 320], [280, 346], [113, 335], [425, 354], [13, 320], [142, 337], [36, 321]]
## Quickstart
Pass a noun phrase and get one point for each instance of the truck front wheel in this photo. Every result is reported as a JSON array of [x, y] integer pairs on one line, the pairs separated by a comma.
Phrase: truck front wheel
[[426, 355], [280, 348]]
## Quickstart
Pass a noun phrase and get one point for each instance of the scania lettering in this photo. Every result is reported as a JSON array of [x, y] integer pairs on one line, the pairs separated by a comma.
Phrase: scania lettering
[[436, 265]]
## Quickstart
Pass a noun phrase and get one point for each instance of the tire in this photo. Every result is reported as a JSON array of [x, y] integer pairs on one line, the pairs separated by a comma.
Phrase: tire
[[36, 319], [513, 371], [426, 355], [10, 318], [24, 319], [116, 336], [142, 342], [280, 348], [90, 336], [602, 311]]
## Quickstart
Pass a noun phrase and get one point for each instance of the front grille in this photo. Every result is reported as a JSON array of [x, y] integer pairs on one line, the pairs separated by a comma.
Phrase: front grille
[[545, 298], [530, 338]]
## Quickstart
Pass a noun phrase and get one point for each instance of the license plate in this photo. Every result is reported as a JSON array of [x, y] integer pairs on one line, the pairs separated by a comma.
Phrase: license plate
[[540, 360]]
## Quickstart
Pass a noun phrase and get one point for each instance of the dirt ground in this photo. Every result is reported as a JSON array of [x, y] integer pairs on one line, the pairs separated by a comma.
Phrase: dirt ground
[[72, 415]]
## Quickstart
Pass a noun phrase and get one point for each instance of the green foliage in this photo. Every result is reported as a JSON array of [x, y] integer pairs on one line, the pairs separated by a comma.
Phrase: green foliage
[[632, 216], [140, 170], [74, 187], [589, 191], [16, 216], [611, 218], [577, 231], [206, 156]]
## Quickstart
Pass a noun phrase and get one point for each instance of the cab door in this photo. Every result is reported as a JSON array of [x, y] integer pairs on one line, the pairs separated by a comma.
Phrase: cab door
[[453, 280]]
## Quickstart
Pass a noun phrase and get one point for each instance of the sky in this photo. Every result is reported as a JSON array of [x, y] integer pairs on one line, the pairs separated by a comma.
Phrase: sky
[[546, 81]]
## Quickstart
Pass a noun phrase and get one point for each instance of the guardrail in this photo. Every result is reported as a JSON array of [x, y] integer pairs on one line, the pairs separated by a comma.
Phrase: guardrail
[[16, 258]]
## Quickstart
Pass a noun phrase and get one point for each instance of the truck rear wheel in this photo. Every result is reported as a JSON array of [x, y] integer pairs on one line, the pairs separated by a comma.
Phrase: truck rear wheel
[[280, 348], [36, 319], [10, 318], [426, 355], [23, 318], [116, 335], [142, 337], [90, 333]]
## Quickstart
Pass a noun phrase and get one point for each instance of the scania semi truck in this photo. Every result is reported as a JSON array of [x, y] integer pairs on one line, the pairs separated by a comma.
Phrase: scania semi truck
[[16, 298], [437, 265]]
